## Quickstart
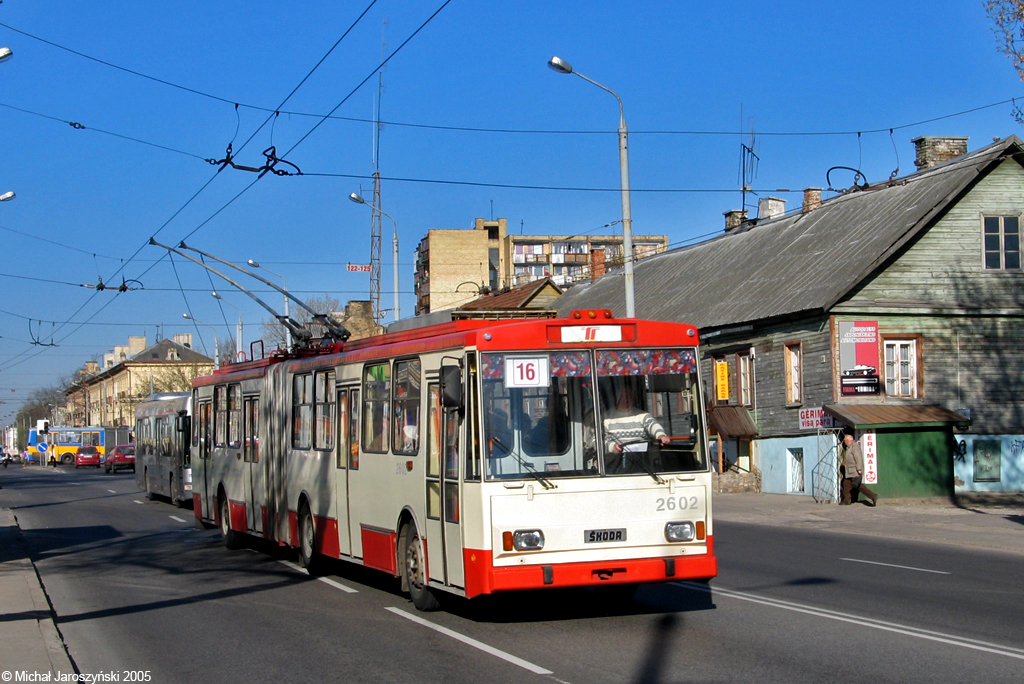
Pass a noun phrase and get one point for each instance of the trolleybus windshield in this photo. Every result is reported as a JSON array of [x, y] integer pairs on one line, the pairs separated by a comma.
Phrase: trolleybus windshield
[[582, 413]]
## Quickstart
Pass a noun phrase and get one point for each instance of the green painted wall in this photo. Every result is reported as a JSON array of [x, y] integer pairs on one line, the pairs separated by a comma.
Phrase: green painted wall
[[914, 463]]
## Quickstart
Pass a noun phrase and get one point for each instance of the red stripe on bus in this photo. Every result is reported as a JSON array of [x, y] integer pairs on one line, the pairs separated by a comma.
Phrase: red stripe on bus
[[483, 578], [379, 549], [327, 537], [263, 516], [293, 528], [197, 505], [239, 522]]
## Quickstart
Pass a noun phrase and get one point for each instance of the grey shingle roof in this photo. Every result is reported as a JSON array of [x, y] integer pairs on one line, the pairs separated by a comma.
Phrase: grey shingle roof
[[791, 264]]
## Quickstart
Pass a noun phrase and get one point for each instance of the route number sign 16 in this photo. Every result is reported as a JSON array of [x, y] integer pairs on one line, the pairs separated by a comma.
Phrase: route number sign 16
[[523, 372]]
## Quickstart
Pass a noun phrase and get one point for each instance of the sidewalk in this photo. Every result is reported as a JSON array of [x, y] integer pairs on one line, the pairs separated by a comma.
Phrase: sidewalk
[[29, 640], [995, 524]]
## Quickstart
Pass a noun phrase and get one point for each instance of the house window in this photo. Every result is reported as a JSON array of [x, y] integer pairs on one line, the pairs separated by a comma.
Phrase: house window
[[901, 368], [794, 374], [1002, 243], [745, 379]]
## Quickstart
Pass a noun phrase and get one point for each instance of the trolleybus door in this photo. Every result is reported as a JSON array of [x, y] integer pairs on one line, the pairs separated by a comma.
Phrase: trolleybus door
[[434, 538], [347, 440], [254, 482], [450, 499], [205, 426]]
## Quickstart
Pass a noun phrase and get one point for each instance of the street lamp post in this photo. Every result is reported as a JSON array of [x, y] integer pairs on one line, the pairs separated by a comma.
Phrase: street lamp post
[[255, 264], [238, 328], [563, 67], [394, 247], [216, 348]]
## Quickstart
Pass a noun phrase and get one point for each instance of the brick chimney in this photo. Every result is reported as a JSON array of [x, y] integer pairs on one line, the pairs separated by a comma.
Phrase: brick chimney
[[734, 218], [770, 207], [596, 264], [934, 149], [184, 339], [812, 199]]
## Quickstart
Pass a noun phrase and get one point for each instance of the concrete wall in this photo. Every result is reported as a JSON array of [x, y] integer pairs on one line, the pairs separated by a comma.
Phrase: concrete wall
[[780, 472]]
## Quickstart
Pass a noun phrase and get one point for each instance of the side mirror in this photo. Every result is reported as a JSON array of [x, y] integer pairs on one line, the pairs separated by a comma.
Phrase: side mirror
[[451, 387], [182, 424]]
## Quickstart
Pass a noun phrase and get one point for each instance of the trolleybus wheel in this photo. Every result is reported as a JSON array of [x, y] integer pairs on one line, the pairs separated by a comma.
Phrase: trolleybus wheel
[[308, 557], [415, 572], [232, 539]]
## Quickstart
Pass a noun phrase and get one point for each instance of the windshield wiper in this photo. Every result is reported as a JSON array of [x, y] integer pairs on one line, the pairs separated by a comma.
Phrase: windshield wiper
[[528, 467], [643, 462]]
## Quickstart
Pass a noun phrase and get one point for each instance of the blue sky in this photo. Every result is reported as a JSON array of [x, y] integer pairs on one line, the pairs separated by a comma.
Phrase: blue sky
[[806, 76]]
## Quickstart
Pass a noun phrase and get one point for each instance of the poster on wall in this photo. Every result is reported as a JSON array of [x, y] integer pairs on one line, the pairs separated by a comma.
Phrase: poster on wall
[[815, 418], [987, 460], [858, 358], [722, 380], [869, 445]]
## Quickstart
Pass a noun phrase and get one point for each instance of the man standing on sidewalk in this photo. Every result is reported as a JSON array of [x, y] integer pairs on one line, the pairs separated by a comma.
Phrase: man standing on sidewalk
[[851, 468]]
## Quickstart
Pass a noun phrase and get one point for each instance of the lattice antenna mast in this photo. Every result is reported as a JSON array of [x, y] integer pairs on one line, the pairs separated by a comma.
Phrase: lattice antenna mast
[[375, 216]]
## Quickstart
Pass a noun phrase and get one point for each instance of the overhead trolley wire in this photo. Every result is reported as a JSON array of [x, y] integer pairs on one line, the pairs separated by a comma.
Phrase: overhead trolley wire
[[278, 110]]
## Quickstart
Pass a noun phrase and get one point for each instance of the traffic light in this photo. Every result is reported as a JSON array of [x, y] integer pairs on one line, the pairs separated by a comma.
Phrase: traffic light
[[43, 427]]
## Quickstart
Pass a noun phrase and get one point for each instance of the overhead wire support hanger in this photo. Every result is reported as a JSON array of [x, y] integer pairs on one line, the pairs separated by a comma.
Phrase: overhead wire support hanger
[[272, 161], [339, 332]]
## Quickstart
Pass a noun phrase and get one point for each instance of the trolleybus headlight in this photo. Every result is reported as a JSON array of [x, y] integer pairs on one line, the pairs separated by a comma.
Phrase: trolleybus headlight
[[680, 531], [528, 540]]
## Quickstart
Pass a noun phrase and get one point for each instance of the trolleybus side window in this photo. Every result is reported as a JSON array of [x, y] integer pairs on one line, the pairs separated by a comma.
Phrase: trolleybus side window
[[302, 410], [342, 455], [376, 395], [353, 429], [472, 421], [220, 416], [406, 438], [323, 397], [234, 416], [251, 438], [434, 414]]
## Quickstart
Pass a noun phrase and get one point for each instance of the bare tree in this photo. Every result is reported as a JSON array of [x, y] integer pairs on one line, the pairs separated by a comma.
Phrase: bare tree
[[274, 334], [1008, 19], [179, 377]]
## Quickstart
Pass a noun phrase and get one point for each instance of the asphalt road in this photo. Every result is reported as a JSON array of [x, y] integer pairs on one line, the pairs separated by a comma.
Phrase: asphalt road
[[137, 588]]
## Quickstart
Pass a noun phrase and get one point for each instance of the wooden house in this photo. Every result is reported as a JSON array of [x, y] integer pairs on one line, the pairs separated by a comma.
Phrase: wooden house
[[895, 310]]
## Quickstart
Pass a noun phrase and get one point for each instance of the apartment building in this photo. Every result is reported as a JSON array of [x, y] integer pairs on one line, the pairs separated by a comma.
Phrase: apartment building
[[454, 266]]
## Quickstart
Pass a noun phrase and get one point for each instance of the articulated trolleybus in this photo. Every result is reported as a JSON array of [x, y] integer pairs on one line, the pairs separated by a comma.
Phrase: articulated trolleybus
[[470, 457]]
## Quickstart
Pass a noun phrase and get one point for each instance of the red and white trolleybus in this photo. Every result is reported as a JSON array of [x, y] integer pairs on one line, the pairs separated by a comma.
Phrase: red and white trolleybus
[[472, 456]]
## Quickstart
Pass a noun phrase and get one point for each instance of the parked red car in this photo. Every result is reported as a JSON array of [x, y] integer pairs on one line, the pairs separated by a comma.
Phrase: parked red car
[[120, 457], [87, 456]]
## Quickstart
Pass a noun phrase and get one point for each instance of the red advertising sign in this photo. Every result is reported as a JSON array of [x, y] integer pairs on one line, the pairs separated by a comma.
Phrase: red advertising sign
[[358, 268], [870, 447], [858, 358]]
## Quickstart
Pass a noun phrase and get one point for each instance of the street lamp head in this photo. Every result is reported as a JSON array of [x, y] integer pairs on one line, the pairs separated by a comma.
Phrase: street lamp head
[[185, 315], [215, 295], [5, 54], [560, 65], [9, 195], [356, 198], [253, 263]]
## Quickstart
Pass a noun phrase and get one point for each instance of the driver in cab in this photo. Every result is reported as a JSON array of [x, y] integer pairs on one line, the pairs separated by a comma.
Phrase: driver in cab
[[627, 427]]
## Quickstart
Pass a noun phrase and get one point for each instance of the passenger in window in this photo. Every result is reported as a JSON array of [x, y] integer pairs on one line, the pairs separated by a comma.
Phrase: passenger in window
[[627, 427]]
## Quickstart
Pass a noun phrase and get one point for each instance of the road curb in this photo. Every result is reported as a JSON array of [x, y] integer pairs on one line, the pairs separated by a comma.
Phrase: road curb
[[29, 638]]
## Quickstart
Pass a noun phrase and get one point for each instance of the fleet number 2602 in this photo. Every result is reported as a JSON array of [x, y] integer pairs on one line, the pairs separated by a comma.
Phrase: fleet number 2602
[[676, 503]]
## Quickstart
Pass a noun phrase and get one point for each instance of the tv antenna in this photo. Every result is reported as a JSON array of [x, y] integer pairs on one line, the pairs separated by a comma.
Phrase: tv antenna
[[749, 160]]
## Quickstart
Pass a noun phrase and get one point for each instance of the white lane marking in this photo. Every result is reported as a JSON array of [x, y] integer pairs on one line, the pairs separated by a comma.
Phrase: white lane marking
[[325, 580], [890, 565], [174, 517], [907, 630], [136, 501], [112, 491], [338, 585], [75, 484], [508, 657]]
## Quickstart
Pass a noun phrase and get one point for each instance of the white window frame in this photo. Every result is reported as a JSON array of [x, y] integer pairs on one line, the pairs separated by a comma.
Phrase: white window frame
[[745, 379], [901, 371]]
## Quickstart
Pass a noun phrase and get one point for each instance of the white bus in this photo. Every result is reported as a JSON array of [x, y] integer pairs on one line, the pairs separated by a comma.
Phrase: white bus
[[162, 455], [470, 457]]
